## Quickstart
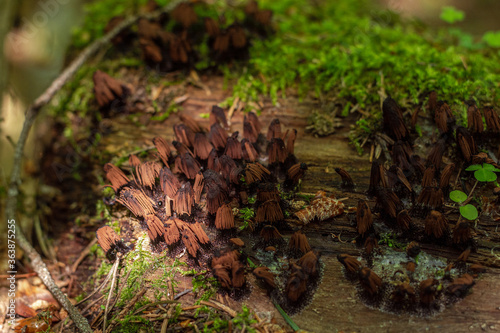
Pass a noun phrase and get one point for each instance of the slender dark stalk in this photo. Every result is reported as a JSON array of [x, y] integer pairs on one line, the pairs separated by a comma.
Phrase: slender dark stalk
[[473, 188]]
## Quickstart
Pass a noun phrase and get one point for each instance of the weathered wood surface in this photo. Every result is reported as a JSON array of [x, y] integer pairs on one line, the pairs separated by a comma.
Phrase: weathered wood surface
[[335, 306]]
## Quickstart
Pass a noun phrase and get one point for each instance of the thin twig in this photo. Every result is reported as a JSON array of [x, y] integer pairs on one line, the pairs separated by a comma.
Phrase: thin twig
[[458, 175], [164, 326], [473, 188], [91, 304], [121, 288], [82, 256], [137, 151], [182, 293], [13, 190], [144, 307], [98, 288], [106, 309], [126, 309], [232, 109], [220, 306]]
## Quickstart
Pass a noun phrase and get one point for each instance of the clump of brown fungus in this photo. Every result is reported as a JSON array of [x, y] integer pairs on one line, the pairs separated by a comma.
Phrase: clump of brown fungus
[[266, 276], [364, 218], [299, 242], [110, 243], [351, 264], [233, 168], [109, 92], [201, 185], [347, 182], [411, 193]]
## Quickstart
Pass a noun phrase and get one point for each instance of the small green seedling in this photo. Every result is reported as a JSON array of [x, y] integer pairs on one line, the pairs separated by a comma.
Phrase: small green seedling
[[482, 173], [246, 214], [451, 15], [468, 211], [492, 38]]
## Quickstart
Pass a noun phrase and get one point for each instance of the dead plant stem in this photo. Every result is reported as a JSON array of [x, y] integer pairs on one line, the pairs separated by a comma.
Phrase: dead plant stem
[[473, 188], [121, 288], [113, 282], [97, 289]]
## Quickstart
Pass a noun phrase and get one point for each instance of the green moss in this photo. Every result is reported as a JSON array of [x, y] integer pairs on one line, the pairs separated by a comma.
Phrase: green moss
[[390, 239], [97, 15], [75, 95], [354, 52], [305, 197], [172, 108], [246, 214], [204, 287], [244, 319], [137, 262], [176, 314], [80, 297], [219, 325], [168, 273], [132, 324], [97, 251], [108, 192], [103, 270], [322, 123], [155, 271], [347, 49]]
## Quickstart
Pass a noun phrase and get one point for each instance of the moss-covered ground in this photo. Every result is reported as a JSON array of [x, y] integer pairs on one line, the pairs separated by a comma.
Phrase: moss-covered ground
[[348, 55]]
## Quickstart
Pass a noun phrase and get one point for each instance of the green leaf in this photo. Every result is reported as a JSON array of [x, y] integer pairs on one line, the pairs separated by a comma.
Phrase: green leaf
[[473, 167], [251, 263], [492, 38], [288, 320], [467, 41], [469, 212], [490, 167], [487, 166], [451, 15], [485, 175], [458, 196]]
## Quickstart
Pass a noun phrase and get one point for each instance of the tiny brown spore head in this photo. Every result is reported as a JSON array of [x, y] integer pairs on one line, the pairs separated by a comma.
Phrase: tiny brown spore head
[[351, 264]]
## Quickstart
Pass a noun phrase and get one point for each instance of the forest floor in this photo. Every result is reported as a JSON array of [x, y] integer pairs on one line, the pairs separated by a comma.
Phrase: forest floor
[[168, 291], [335, 306]]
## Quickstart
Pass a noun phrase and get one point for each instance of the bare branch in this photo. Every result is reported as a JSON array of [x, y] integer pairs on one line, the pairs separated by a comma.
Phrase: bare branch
[[13, 192]]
